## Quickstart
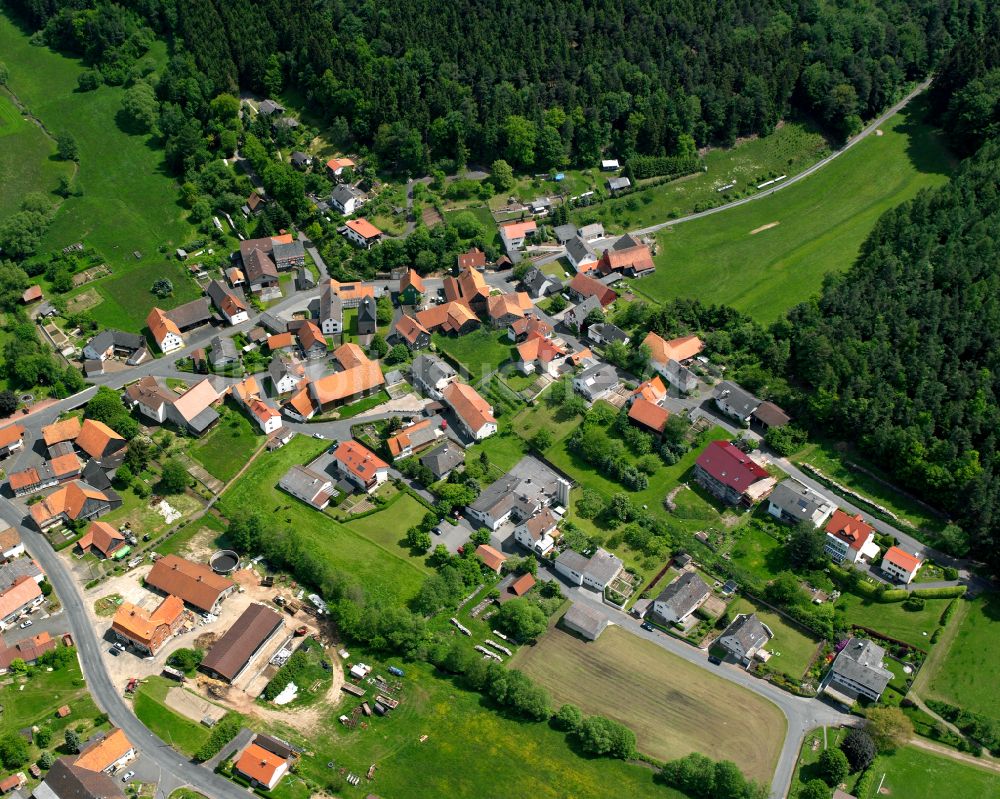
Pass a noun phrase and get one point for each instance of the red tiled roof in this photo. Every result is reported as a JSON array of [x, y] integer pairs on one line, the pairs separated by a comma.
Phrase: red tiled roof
[[411, 278], [588, 287], [360, 461], [730, 465], [409, 328], [493, 558], [677, 349], [852, 530], [96, 437], [364, 228], [902, 558], [472, 259], [10, 434], [468, 405], [649, 414], [522, 584]]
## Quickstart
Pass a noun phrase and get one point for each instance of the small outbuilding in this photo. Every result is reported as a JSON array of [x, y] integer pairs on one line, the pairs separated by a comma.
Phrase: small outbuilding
[[585, 621]]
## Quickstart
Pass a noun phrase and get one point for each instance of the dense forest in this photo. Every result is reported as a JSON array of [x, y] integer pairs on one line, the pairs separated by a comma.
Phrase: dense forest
[[542, 83]]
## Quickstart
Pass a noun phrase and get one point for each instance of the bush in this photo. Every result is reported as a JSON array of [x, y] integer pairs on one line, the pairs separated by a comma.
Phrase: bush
[[602, 736], [221, 735], [945, 592], [859, 749], [568, 718], [913, 603], [187, 660], [833, 767]]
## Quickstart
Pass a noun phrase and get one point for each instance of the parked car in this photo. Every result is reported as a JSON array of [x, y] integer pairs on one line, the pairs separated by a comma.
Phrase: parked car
[[436, 531], [127, 776], [317, 435], [26, 623], [115, 651], [714, 660], [647, 626], [120, 646]]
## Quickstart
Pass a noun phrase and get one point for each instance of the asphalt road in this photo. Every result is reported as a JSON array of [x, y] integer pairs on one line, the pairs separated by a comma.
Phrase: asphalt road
[[871, 128]]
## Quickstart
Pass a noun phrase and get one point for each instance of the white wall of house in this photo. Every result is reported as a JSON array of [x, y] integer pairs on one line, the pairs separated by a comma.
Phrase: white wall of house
[[171, 342]]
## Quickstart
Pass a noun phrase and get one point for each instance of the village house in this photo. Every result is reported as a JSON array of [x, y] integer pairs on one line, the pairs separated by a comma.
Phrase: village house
[[618, 184], [734, 401], [248, 396], [536, 533], [528, 327], [331, 308], [680, 599], [607, 333], [729, 474], [575, 318], [514, 235], [362, 233], [360, 466], [335, 166], [12, 571], [301, 406], [492, 558], [286, 374], [260, 767], [231, 655], [596, 572], [443, 459], [540, 354], [431, 376], [190, 315], [628, 257], [504, 309], [668, 357], [768, 415], [223, 353], [411, 288], [652, 390], [413, 438], [311, 487], [473, 413], [11, 439], [521, 493], [145, 630], [28, 650], [65, 781], [346, 199], [101, 538], [900, 565], [229, 302], [106, 754], [858, 670], [259, 267], [610, 165], [359, 378], [583, 286], [367, 317], [648, 415], [592, 232], [300, 160], [75, 501], [455, 318], [792, 503], [166, 334], [11, 545], [196, 584], [22, 596], [101, 443], [746, 637], [270, 108], [191, 411], [596, 382], [850, 539], [47, 474], [113, 343], [312, 342], [581, 255], [538, 284], [585, 621], [469, 288], [473, 259], [411, 333]]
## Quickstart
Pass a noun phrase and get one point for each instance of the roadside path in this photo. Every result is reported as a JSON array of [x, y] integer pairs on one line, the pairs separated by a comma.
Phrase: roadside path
[[871, 128]]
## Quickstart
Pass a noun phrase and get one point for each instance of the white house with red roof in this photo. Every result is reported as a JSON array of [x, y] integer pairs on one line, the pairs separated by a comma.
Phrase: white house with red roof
[[360, 466], [731, 475], [900, 565], [362, 233], [850, 539]]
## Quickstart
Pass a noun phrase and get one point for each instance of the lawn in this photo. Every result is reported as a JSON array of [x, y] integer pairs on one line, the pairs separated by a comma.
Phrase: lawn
[[150, 706], [787, 151], [892, 619], [759, 553], [918, 774], [144, 518], [384, 572], [832, 458], [967, 673], [362, 405], [480, 352], [809, 755], [27, 160], [127, 298], [470, 750], [503, 450], [404, 511], [817, 225], [792, 650], [674, 707], [228, 447]]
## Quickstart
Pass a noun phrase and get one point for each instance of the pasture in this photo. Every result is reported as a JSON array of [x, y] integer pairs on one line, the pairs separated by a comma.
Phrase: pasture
[[674, 707], [735, 259], [918, 774], [384, 572], [966, 673]]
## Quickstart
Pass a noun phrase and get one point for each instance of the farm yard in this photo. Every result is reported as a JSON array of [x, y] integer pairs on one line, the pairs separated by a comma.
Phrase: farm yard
[[822, 222], [673, 706]]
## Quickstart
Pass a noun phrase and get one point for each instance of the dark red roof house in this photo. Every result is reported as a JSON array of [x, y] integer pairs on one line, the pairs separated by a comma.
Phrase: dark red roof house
[[730, 474]]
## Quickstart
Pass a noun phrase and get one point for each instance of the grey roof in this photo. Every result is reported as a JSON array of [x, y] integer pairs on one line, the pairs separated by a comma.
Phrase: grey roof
[[343, 194], [223, 349], [564, 232], [442, 459], [579, 249], [304, 279], [626, 242], [268, 107], [272, 323], [67, 781], [680, 372], [528, 484], [292, 249], [603, 566], [576, 315], [429, 369], [541, 202], [299, 158], [598, 378], [534, 279], [618, 183], [13, 571], [585, 619], [118, 338], [738, 398], [748, 631], [190, 314], [277, 369], [594, 231], [861, 662], [608, 332], [203, 420], [95, 476], [367, 310], [303, 482], [330, 304], [684, 594], [394, 377], [573, 560], [797, 500]]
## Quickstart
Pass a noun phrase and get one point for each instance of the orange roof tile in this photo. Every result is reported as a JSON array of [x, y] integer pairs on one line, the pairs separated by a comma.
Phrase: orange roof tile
[[677, 349], [538, 348], [350, 355], [302, 403], [349, 292], [63, 465], [280, 341], [450, 317], [852, 530], [902, 558], [364, 228], [473, 259], [141, 625], [104, 753], [522, 584], [160, 325], [259, 764], [360, 461], [401, 440], [97, 439], [653, 390], [409, 328], [21, 593], [468, 405], [517, 230], [10, 434], [338, 163], [500, 305], [196, 399], [69, 499], [588, 287], [66, 430], [340, 385], [246, 390], [411, 278], [637, 257], [649, 414], [194, 583], [310, 335], [493, 558]]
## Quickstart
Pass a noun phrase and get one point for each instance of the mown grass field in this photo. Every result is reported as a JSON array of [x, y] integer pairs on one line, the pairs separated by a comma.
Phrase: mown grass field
[[821, 222], [471, 750], [228, 447], [481, 351], [27, 161], [404, 512], [918, 774], [150, 706], [757, 552], [891, 618], [382, 571], [792, 649], [966, 675], [127, 298]]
